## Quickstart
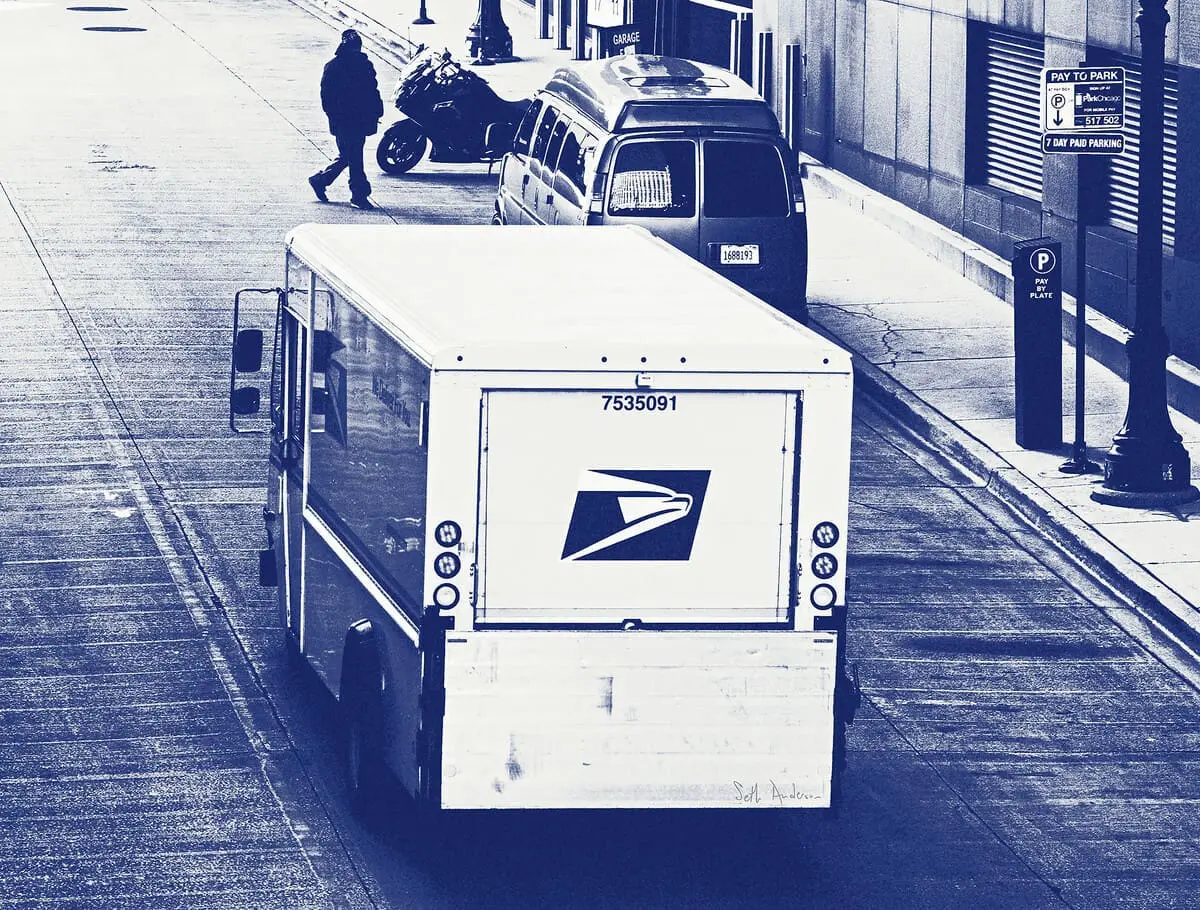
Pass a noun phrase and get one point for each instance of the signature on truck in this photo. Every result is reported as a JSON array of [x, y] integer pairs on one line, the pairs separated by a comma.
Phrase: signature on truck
[[776, 794]]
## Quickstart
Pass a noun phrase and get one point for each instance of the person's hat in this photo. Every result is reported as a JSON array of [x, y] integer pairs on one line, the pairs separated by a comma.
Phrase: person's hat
[[350, 36]]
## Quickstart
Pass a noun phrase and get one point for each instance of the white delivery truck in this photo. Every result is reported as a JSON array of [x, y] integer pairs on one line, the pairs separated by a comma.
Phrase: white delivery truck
[[559, 516]]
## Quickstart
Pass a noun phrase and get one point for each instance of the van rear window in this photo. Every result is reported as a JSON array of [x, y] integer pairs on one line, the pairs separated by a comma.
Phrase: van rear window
[[744, 180], [655, 179]]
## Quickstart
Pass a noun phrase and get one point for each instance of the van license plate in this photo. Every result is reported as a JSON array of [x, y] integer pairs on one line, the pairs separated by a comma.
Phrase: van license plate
[[739, 254]]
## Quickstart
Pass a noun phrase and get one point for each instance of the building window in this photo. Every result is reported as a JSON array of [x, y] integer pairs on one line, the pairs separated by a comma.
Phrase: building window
[[1004, 139], [1119, 174]]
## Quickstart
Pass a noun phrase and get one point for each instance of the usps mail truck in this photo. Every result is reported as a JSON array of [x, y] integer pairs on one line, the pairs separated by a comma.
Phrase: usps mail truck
[[557, 514]]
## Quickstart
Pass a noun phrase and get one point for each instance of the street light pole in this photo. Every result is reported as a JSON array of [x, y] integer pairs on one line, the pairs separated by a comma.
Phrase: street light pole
[[488, 38], [1147, 464], [422, 16]]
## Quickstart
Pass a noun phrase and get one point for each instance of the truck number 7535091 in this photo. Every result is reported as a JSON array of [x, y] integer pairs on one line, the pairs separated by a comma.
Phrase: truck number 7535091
[[639, 402]]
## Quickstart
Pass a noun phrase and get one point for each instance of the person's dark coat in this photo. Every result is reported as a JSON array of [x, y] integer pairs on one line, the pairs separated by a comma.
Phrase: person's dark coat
[[350, 93]]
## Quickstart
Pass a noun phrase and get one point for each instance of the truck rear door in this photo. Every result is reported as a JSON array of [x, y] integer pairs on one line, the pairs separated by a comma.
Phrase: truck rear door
[[656, 508]]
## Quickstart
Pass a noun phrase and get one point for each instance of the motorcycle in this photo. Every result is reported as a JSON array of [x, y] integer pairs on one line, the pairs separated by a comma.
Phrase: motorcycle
[[449, 105]]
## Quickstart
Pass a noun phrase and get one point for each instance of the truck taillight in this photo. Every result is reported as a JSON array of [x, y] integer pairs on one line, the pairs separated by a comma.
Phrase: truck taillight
[[448, 533], [445, 596], [823, 597], [824, 565], [826, 534], [447, 565]]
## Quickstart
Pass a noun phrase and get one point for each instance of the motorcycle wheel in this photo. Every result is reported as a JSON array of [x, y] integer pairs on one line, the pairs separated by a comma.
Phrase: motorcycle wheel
[[401, 147]]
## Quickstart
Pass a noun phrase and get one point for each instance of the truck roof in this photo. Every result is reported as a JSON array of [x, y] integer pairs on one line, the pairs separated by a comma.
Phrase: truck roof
[[642, 90], [558, 298]]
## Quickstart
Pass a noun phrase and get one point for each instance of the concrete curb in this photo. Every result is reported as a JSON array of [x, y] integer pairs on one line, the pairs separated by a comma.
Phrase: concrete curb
[[1105, 338], [1154, 599]]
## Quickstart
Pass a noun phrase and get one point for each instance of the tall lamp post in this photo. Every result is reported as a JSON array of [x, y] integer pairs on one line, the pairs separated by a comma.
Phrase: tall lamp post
[[488, 37], [422, 16], [1147, 464]]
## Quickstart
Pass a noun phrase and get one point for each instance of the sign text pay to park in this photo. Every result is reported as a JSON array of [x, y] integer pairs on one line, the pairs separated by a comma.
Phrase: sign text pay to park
[[1083, 110]]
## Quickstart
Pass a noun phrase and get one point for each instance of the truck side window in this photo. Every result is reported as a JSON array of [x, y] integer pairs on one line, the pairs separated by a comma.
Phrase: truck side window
[[654, 178], [368, 469], [525, 130]]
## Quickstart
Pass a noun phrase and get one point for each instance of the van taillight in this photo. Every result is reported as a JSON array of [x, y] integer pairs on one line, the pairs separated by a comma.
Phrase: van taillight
[[797, 187], [595, 212]]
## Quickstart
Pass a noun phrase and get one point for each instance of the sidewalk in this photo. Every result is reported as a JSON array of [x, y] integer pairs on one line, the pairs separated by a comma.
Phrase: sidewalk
[[924, 312]]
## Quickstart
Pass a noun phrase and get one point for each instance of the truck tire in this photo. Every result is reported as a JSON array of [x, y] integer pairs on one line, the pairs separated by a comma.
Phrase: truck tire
[[400, 147], [364, 768]]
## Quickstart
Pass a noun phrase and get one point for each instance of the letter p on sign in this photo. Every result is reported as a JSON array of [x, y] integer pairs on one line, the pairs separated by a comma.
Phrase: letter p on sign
[[1042, 261]]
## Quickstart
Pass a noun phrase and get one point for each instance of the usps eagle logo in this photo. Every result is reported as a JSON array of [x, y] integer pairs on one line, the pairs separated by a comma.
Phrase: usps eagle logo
[[635, 515]]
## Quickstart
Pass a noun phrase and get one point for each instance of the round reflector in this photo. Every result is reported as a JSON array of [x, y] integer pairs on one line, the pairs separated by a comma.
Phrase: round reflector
[[824, 565], [826, 534], [445, 596], [823, 597], [448, 533], [447, 565]]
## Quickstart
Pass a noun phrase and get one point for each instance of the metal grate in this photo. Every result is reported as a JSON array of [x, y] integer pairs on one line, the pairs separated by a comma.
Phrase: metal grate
[[1121, 172], [1012, 146]]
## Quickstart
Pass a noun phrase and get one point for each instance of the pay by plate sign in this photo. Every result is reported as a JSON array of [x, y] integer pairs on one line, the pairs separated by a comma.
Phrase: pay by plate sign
[[1083, 110]]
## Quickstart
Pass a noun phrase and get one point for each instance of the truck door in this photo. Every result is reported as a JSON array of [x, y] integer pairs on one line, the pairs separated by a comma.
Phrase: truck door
[[295, 337], [645, 507]]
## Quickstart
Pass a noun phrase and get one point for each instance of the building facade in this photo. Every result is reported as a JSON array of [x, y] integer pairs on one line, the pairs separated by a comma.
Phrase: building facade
[[936, 103]]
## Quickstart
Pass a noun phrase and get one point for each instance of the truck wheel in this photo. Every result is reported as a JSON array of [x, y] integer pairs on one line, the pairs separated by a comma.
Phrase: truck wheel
[[401, 147], [364, 768]]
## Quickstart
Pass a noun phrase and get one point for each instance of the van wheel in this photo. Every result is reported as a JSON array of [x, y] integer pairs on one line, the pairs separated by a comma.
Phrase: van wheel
[[401, 147]]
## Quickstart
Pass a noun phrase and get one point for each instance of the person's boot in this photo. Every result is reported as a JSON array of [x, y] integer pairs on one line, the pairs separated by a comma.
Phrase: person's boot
[[362, 202], [318, 187]]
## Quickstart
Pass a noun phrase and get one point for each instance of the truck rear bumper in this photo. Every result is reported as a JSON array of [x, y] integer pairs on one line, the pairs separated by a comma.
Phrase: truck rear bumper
[[583, 719]]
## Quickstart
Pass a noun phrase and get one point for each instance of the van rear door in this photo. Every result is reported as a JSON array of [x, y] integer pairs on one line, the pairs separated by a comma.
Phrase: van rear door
[[653, 185], [611, 507], [746, 232]]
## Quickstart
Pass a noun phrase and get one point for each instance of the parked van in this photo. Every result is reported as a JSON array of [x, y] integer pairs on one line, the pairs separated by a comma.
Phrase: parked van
[[684, 149]]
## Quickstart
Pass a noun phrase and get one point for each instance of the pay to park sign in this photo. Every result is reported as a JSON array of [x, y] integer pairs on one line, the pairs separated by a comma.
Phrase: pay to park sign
[[1083, 110]]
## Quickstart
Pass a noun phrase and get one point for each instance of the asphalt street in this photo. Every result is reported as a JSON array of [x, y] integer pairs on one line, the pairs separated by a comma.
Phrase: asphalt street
[[1024, 741]]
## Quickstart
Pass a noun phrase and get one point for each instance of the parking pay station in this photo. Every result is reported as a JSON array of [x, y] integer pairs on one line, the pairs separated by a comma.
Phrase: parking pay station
[[1037, 342]]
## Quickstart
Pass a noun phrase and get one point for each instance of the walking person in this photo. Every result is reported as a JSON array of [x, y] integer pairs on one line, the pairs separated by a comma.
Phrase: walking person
[[350, 99]]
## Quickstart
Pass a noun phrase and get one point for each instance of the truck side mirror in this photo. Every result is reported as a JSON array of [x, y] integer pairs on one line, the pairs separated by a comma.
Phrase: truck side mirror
[[244, 401], [248, 351], [498, 137]]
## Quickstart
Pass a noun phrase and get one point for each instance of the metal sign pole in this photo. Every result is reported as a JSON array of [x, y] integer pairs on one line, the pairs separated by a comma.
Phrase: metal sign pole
[[1078, 463], [1083, 112]]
